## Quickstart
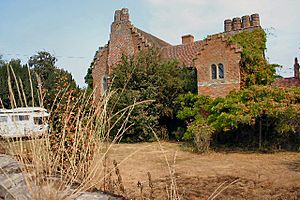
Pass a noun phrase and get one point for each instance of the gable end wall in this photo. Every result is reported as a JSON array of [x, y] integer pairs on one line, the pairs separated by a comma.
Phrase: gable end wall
[[215, 51]]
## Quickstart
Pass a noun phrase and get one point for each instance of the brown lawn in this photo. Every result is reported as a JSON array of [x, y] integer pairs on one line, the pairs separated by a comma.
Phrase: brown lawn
[[253, 175], [240, 175]]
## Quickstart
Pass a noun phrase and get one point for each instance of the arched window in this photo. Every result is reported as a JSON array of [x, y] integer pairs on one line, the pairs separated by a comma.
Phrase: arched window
[[221, 70], [104, 84], [213, 71]]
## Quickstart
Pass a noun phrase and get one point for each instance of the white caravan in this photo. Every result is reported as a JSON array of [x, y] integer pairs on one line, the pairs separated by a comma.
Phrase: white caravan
[[23, 122]]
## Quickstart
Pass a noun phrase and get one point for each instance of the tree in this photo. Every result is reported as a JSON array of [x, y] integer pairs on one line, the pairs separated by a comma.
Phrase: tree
[[257, 116], [43, 61], [148, 77], [194, 110], [88, 79], [1, 60], [53, 79], [15, 75], [267, 109]]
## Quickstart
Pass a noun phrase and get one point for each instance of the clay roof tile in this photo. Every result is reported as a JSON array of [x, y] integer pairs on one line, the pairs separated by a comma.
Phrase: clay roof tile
[[184, 53]]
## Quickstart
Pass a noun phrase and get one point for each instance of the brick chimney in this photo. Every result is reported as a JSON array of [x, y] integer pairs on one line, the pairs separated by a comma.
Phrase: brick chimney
[[187, 39], [246, 22], [296, 69], [228, 25], [255, 20], [122, 15], [236, 24]]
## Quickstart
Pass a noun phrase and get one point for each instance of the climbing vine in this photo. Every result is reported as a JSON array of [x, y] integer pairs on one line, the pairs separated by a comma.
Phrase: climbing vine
[[255, 69]]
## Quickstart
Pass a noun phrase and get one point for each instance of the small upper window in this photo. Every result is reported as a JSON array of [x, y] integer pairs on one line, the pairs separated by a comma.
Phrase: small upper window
[[20, 118], [221, 71], [24, 117], [3, 119], [214, 71]]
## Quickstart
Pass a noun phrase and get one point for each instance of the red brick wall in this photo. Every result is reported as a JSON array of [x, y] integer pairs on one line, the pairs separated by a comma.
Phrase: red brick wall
[[217, 50], [99, 70], [121, 42], [218, 90], [124, 39]]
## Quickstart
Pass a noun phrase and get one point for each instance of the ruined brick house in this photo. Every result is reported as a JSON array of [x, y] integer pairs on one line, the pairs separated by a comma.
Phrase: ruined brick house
[[216, 60], [290, 81]]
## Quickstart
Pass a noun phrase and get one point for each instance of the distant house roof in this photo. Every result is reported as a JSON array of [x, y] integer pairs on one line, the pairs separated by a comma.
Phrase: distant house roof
[[286, 82]]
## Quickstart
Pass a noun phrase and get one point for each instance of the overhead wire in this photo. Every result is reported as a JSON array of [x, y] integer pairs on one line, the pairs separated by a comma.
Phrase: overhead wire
[[27, 55]]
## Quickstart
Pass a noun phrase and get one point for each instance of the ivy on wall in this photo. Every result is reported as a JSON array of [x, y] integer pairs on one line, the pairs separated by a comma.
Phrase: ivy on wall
[[255, 69]]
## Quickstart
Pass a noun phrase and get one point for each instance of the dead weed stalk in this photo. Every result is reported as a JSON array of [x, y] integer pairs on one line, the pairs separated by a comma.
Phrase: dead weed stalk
[[66, 161]]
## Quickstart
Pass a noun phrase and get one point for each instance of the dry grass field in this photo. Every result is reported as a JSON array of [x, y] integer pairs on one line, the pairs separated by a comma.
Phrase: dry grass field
[[239, 175], [215, 175]]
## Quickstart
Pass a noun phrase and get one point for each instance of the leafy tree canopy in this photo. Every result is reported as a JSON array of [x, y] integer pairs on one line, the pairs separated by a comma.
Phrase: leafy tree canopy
[[47, 81], [246, 106], [148, 77], [16, 75], [275, 110]]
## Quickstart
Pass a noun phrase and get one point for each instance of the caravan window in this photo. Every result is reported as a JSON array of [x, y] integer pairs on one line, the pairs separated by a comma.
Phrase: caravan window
[[3, 119], [38, 120], [20, 118]]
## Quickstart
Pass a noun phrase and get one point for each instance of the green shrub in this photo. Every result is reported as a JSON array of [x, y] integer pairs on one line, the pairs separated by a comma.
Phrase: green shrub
[[202, 136], [144, 78], [259, 116]]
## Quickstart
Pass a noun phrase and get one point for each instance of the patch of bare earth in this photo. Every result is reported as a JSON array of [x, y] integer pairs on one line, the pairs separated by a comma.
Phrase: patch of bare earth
[[198, 176]]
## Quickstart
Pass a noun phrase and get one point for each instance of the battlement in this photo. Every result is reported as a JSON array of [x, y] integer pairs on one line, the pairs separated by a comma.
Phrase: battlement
[[122, 15], [237, 23]]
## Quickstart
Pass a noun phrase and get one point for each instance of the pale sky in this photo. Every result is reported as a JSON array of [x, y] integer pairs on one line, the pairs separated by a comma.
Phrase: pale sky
[[73, 30]]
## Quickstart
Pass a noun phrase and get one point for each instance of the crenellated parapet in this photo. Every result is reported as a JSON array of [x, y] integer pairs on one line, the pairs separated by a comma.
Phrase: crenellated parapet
[[121, 15], [238, 24]]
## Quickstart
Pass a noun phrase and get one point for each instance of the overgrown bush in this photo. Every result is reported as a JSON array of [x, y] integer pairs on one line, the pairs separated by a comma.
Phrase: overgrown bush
[[156, 82], [195, 110], [202, 136], [267, 116]]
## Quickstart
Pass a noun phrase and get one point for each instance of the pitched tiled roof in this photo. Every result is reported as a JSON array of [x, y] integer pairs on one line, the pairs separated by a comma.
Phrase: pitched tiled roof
[[152, 39], [286, 82], [184, 53], [148, 39]]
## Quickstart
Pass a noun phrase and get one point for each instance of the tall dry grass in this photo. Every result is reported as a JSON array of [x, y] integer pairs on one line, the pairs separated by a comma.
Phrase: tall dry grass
[[68, 159]]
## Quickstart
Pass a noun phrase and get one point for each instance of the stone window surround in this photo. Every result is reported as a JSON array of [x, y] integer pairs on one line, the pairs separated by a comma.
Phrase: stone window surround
[[217, 71]]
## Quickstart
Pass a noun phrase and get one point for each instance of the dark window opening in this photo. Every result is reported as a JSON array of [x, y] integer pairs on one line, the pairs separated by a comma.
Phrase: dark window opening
[[3, 119], [214, 71], [105, 84], [38, 120], [20, 118], [221, 71]]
